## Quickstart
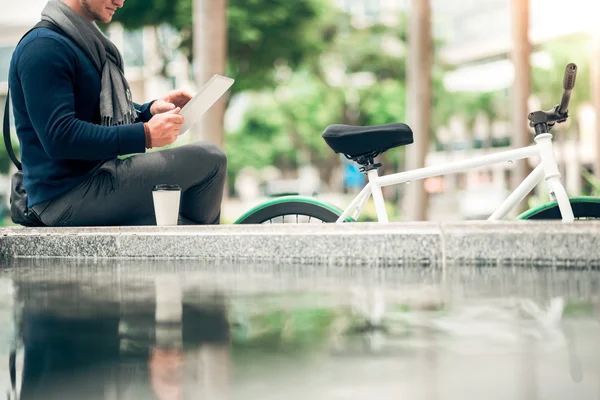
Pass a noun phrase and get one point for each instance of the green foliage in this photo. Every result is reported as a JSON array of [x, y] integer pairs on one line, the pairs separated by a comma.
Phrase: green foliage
[[260, 37], [547, 82], [259, 142], [368, 50], [139, 13], [383, 103], [295, 330], [5, 162], [469, 105], [310, 99], [283, 128], [308, 107], [592, 181]]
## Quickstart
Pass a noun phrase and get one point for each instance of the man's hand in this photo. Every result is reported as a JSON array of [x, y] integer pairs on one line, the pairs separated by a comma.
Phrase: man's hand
[[165, 127], [176, 98]]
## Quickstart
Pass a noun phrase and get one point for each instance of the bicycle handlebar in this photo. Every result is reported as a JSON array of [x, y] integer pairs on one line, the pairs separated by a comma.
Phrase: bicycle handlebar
[[568, 85]]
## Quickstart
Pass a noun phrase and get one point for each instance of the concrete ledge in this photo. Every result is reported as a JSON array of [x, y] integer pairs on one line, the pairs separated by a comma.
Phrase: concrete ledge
[[575, 245]]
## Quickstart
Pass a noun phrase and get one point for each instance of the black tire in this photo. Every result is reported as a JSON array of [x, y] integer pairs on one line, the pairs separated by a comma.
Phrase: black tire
[[584, 208], [276, 213]]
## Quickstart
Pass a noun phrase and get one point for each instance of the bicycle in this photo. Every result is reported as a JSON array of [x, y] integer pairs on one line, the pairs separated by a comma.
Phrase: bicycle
[[362, 144]]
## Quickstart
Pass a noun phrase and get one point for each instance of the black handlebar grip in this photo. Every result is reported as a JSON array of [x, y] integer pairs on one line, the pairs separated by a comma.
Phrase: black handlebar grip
[[568, 85], [570, 75]]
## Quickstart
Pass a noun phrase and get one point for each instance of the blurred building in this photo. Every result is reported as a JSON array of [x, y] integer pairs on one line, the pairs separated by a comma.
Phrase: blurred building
[[364, 11]]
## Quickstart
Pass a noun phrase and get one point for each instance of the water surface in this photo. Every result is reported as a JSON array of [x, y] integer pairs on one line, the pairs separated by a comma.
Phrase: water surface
[[189, 330]]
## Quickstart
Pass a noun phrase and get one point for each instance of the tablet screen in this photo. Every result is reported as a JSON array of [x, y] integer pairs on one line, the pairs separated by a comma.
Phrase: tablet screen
[[204, 99]]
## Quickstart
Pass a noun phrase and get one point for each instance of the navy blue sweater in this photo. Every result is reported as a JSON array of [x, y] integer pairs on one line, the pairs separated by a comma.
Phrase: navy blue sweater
[[55, 90]]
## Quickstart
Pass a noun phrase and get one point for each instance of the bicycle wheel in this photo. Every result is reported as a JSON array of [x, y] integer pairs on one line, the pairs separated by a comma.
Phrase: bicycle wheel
[[295, 210], [583, 208]]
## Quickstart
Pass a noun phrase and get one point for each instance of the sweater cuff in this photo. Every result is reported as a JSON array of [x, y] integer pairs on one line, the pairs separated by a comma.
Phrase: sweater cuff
[[144, 114], [132, 138]]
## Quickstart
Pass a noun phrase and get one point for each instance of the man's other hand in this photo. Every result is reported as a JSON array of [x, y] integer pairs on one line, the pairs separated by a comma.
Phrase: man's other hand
[[175, 98], [165, 127]]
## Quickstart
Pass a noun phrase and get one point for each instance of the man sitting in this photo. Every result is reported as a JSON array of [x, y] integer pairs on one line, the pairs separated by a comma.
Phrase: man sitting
[[74, 116]]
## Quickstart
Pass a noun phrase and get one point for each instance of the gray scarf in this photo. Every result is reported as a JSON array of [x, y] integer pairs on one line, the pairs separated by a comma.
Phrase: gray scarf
[[116, 105]]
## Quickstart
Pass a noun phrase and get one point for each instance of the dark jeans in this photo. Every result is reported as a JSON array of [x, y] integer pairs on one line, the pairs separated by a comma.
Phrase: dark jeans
[[120, 191]]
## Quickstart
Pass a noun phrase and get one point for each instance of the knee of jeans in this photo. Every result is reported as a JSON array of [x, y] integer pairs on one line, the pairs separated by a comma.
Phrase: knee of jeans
[[215, 156], [206, 153], [220, 158]]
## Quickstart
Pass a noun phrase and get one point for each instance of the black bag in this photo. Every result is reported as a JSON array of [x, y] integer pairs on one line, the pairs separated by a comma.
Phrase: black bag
[[19, 212]]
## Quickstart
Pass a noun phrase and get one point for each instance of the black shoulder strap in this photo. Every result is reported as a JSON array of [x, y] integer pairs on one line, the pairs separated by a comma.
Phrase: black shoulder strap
[[6, 125]]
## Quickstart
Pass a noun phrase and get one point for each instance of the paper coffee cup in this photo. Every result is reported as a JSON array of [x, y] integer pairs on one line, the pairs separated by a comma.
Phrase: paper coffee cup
[[166, 204]]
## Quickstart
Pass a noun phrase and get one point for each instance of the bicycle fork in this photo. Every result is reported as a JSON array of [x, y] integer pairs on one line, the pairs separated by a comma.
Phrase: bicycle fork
[[547, 170]]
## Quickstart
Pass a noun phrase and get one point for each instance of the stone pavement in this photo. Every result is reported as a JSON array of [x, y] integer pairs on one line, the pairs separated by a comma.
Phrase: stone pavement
[[546, 243]]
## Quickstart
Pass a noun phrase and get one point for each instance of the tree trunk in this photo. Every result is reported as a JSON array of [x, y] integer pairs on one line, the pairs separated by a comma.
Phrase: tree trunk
[[210, 57], [596, 99], [419, 103], [521, 89]]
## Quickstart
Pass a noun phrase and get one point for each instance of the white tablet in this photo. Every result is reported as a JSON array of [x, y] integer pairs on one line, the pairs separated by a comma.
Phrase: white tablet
[[203, 100]]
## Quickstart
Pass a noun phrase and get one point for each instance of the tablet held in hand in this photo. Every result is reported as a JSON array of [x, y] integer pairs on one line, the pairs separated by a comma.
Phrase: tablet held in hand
[[203, 100]]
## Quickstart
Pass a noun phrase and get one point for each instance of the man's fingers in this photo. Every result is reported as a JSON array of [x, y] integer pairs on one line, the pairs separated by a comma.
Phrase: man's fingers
[[187, 95], [176, 119], [162, 107], [183, 93], [179, 97]]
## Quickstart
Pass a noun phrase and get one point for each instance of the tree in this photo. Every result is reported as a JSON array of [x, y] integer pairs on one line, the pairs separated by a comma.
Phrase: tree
[[210, 49], [521, 56], [420, 101]]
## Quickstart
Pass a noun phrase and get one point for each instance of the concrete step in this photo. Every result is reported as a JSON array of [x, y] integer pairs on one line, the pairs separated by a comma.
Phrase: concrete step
[[546, 243]]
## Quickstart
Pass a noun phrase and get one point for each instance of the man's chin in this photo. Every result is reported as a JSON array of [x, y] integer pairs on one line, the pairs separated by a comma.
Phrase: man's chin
[[105, 19]]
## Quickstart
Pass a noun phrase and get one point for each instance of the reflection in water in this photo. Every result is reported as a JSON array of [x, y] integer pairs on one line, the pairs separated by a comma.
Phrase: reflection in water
[[179, 330], [136, 344]]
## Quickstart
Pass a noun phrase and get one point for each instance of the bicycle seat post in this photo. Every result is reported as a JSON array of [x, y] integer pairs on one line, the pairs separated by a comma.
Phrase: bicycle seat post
[[369, 167]]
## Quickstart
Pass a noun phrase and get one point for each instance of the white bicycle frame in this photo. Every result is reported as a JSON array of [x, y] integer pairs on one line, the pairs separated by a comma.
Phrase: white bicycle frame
[[546, 169]]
